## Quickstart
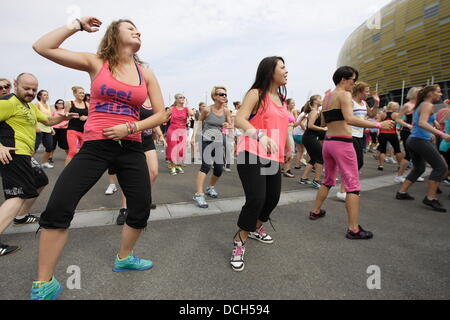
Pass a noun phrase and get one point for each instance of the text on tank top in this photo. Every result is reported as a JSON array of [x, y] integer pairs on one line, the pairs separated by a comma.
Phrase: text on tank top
[[144, 113]]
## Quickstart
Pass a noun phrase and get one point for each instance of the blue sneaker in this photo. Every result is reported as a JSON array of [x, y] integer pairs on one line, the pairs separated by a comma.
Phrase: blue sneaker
[[45, 290], [132, 263]]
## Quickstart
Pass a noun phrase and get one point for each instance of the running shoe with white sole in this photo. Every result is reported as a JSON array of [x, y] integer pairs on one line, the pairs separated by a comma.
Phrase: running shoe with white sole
[[316, 184], [341, 196], [179, 169], [261, 236], [47, 166], [237, 257], [29, 219], [132, 263], [45, 290], [399, 179], [211, 192], [305, 181], [111, 189], [420, 179], [200, 200], [6, 249]]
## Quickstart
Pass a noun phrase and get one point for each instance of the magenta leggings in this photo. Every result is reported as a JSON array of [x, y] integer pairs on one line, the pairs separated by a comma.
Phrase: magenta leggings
[[340, 156], [75, 142]]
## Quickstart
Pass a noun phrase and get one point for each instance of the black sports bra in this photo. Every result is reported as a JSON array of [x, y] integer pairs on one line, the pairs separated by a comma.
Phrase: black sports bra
[[331, 115]]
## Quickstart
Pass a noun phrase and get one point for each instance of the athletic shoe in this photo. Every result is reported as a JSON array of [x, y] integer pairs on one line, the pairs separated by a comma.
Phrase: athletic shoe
[[200, 200], [237, 257], [399, 179], [403, 196], [305, 181], [439, 191], [211, 192], [341, 196], [45, 290], [303, 161], [228, 168], [315, 216], [122, 217], [261, 236], [50, 160], [111, 189], [173, 171], [5, 249], [360, 235], [420, 179], [288, 174], [153, 206], [131, 263], [29, 219], [434, 204], [47, 166], [179, 170], [316, 184], [380, 168], [297, 168], [447, 182]]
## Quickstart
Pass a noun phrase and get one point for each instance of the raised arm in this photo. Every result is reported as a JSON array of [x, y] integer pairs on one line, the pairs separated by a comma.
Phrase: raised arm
[[49, 46]]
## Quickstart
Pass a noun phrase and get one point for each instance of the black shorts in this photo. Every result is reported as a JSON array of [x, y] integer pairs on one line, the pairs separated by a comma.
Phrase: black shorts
[[22, 177], [148, 143], [392, 138], [60, 139], [87, 167]]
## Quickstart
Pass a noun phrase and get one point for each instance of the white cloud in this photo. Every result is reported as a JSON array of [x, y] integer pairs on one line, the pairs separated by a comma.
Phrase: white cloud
[[195, 44]]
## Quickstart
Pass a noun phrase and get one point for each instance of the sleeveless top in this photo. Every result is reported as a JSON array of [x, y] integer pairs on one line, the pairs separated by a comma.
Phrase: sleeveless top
[[298, 131], [359, 111], [144, 113], [113, 103], [77, 124], [332, 114], [178, 119], [409, 119], [273, 120], [312, 132], [47, 112], [391, 131], [212, 126], [418, 132]]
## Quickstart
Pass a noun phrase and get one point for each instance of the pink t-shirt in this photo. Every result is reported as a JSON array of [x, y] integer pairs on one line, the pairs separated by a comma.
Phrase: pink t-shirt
[[112, 103], [273, 120]]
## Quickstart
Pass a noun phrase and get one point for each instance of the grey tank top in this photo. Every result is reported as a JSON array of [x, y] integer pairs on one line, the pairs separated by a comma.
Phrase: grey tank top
[[212, 127]]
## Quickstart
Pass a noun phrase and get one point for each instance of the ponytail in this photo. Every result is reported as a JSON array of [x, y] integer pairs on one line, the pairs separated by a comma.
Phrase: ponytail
[[423, 93]]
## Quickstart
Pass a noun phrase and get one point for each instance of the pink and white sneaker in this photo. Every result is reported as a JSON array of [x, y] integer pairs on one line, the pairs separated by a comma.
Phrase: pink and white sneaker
[[261, 236], [237, 257]]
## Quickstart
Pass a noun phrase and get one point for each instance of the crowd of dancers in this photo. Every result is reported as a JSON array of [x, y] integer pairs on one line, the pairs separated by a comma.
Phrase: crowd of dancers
[[114, 129]]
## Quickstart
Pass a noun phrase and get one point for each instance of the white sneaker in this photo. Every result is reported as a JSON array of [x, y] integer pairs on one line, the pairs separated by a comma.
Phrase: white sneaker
[[399, 179], [111, 189], [341, 196], [420, 179]]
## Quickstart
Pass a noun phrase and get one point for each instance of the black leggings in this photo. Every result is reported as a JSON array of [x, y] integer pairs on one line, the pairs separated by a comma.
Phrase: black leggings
[[423, 151], [404, 135], [213, 156], [261, 180], [314, 149], [87, 167], [358, 144], [46, 139]]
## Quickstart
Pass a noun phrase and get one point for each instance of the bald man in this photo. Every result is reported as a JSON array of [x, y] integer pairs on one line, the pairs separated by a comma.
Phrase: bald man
[[22, 177]]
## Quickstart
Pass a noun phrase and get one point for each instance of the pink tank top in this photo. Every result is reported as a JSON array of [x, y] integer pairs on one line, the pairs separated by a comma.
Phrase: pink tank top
[[273, 120], [178, 119], [112, 103]]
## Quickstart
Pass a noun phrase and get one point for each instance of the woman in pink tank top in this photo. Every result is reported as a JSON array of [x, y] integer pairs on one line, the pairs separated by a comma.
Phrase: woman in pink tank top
[[120, 85], [177, 134], [263, 118]]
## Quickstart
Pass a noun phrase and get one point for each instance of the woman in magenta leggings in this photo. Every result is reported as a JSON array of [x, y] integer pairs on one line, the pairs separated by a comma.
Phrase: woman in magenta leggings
[[338, 152]]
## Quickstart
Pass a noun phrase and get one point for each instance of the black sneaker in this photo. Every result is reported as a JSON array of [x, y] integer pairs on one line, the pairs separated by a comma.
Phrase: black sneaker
[[435, 204], [153, 206], [361, 235], [380, 168], [315, 216], [403, 196], [122, 217], [5, 249], [29, 219]]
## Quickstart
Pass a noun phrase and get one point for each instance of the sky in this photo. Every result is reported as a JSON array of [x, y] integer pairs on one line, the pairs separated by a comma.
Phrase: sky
[[192, 45]]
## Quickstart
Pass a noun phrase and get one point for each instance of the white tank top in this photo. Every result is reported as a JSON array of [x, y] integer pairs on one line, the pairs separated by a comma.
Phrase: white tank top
[[360, 111]]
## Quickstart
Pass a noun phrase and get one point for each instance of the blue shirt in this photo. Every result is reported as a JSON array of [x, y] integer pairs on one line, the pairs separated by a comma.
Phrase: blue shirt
[[418, 132]]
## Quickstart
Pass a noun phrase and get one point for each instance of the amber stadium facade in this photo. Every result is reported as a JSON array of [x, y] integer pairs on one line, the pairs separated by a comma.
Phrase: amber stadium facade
[[405, 44]]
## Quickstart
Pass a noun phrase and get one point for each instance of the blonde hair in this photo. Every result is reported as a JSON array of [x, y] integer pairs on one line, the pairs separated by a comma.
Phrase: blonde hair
[[214, 90], [76, 88], [109, 46], [359, 88], [391, 106], [413, 92], [6, 80]]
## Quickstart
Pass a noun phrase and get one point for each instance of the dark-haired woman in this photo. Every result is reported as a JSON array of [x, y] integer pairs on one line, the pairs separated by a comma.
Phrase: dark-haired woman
[[338, 152], [112, 137], [44, 134], [60, 137], [423, 151], [263, 118], [312, 143]]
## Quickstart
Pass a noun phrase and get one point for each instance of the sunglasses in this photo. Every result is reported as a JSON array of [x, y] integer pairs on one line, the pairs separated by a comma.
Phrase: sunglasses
[[181, 97], [5, 87], [222, 94]]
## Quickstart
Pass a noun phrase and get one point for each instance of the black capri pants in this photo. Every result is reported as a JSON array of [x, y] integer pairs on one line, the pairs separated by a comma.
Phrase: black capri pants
[[46, 139], [213, 157], [423, 151], [60, 138], [392, 138], [359, 144], [314, 149], [404, 135], [261, 180], [87, 167]]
